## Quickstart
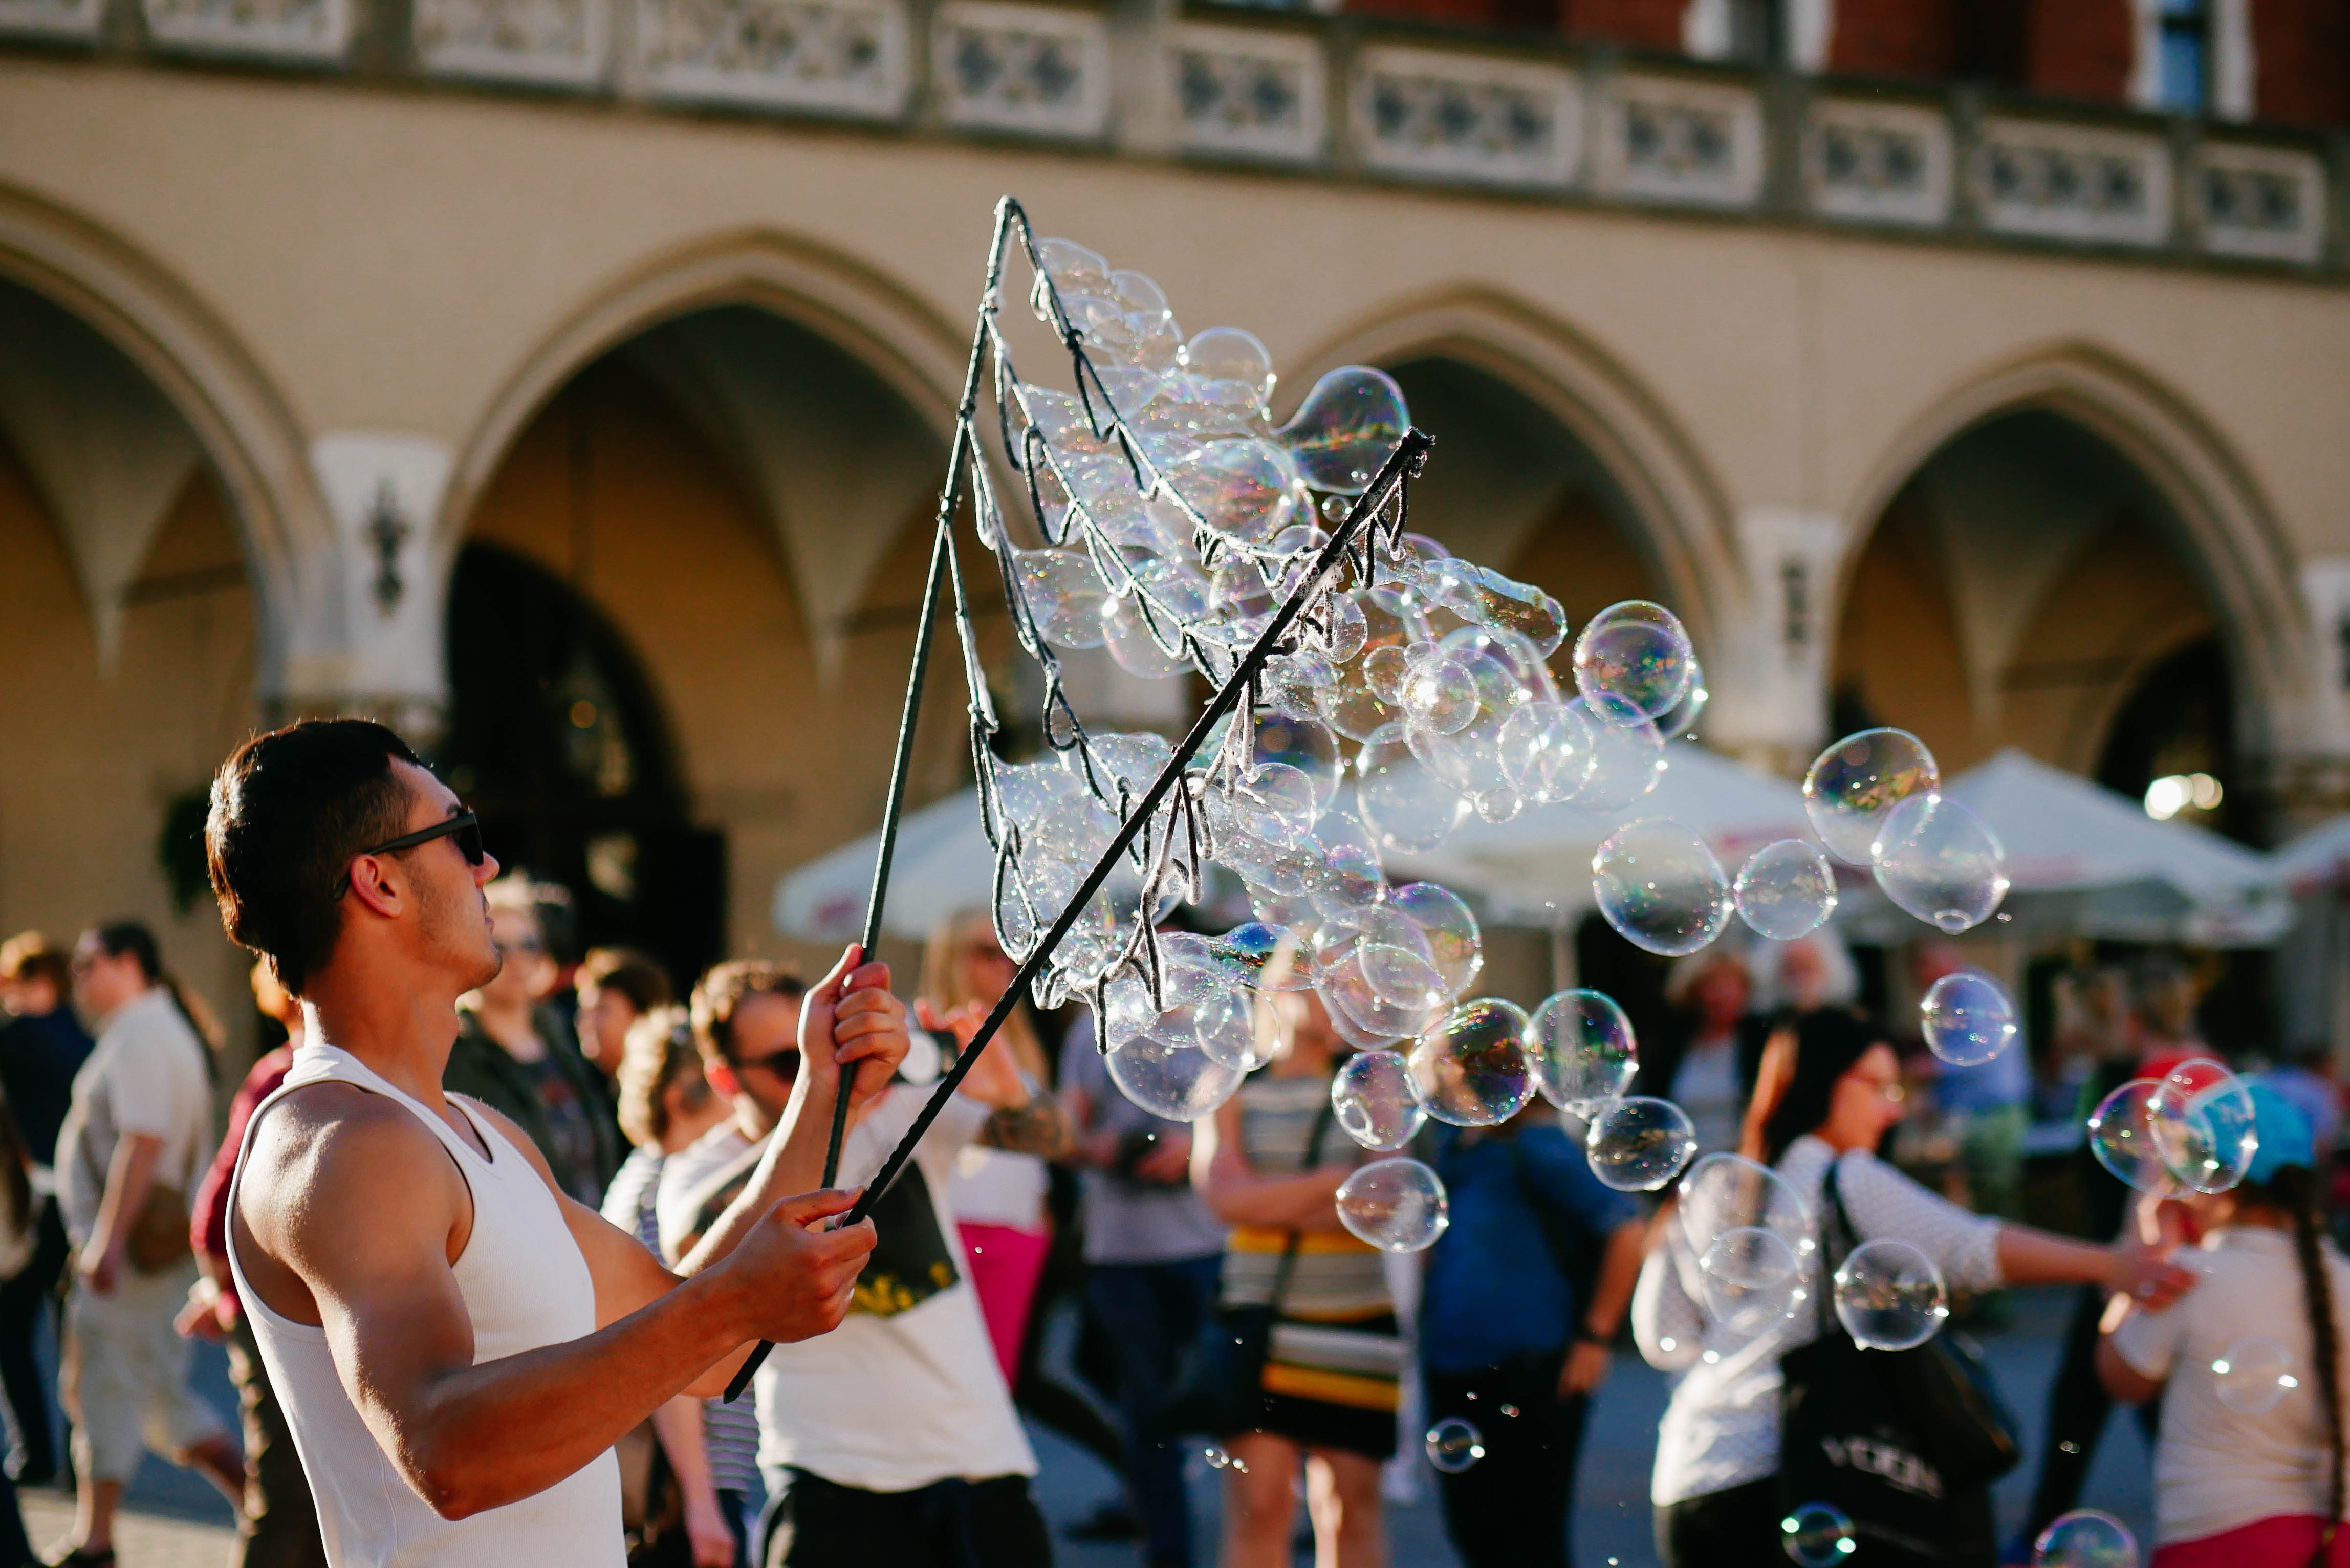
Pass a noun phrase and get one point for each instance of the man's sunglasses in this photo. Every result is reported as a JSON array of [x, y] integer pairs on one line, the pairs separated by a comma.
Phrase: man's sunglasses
[[465, 828], [784, 1063]]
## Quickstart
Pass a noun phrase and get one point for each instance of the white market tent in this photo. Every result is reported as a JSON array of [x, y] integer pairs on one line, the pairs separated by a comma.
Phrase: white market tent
[[2318, 859], [2086, 861], [943, 863]]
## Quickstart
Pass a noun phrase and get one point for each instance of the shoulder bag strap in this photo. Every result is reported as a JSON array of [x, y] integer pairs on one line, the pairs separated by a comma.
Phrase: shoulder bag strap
[[1837, 1238], [1297, 1238]]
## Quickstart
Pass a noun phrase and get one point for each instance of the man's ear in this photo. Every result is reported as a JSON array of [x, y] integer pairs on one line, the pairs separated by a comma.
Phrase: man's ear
[[375, 884]]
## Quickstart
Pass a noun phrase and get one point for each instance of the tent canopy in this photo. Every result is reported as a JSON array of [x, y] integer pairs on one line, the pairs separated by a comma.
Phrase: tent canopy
[[2318, 859], [943, 865]]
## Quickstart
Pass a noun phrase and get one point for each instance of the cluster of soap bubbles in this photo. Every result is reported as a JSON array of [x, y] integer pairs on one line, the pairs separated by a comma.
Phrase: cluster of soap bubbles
[[1875, 800], [2085, 1538], [2189, 1131]]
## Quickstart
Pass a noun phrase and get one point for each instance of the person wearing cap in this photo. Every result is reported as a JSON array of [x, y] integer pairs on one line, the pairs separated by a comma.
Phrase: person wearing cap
[[2249, 1468]]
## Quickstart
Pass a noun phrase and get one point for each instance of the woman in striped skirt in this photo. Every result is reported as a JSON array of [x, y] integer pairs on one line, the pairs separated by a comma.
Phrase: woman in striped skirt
[[1330, 1377]]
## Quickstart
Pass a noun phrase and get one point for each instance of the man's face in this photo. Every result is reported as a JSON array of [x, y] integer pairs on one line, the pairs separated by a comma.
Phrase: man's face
[[605, 1016], [452, 917], [525, 971], [765, 1052], [103, 981]]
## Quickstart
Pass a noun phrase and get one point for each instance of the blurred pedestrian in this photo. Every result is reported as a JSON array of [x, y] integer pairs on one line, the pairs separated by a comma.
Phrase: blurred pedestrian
[[17, 1244], [1697, 1065], [2164, 998], [1987, 1103], [615, 986], [2308, 1080], [42, 1046], [1153, 1253], [1514, 1333], [514, 1054], [133, 1141], [278, 1527], [2255, 1476], [711, 1446], [1270, 1162], [1830, 1088]]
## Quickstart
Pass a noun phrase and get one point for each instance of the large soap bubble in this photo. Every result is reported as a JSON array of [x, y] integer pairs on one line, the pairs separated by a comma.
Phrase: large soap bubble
[[1889, 1296], [2085, 1538], [1396, 1205], [2122, 1137], [1658, 884], [1750, 1278], [2201, 1118], [1372, 1097], [1547, 751], [1940, 862], [1471, 1069], [1725, 1192], [1173, 1079], [1452, 1445], [2253, 1375], [1344, 430], [1635, 651], [1628, 753], [1407, 807], [1817, 1535], [1455, 943], [1967, 1018], [1785, 890], [1854, 786], [1636, 1144], [1582, 1049]]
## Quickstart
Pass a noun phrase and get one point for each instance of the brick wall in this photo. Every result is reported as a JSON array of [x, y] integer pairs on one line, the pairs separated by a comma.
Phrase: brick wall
[[1896, 37], [2300, 61], [1645, 24], [2079, 48]]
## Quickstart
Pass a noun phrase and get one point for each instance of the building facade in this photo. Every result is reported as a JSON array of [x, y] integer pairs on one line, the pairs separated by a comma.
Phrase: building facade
[[570, 379]]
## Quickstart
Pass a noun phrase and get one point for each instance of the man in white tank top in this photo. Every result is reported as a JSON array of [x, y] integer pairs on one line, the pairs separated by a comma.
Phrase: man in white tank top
[[457, 1343]]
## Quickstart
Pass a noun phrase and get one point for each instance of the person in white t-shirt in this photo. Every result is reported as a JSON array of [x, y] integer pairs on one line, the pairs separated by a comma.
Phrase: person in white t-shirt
[[893, 1441], [2247, 1470]]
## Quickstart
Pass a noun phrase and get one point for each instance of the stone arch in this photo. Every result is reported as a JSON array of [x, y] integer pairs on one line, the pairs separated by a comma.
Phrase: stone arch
[[1681, 510], [2228, 535], [247, 431]]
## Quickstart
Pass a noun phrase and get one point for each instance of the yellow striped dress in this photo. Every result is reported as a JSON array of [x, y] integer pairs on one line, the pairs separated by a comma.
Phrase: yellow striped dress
[[1331, 1374]]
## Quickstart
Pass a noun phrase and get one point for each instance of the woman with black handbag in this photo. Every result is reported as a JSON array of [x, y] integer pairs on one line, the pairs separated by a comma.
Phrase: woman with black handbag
[[1308, 1304], [1904, 1443]]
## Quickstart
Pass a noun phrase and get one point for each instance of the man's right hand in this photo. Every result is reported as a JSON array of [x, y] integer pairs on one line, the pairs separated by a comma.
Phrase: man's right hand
[[797, 1279]]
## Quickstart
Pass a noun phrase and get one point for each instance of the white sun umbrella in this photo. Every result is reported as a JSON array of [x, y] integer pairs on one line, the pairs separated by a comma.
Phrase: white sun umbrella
[[2318, 859], [943, 863], [2084, 860], [1536, 868]]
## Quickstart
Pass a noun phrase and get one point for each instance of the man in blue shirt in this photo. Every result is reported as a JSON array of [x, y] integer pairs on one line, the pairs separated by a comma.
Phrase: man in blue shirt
[[1523, 1295]]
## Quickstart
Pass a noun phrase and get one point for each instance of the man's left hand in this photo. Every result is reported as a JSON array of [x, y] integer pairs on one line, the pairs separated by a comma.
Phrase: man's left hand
[[1586, 1369], [851, 1020]]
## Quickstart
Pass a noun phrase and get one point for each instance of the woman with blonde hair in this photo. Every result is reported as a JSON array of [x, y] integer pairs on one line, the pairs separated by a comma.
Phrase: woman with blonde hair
[[1270, 1163]]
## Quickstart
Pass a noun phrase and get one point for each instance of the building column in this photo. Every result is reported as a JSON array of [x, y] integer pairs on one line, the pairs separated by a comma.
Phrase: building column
[[1769, 674]]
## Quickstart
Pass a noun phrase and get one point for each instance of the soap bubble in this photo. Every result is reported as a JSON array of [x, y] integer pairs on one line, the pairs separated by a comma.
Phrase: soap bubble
[[1471, 1069], [1490, 599], [2253, 1375], [2122, 1137], [1307, 745], [1726, 1193], [1940, 862], [1967, 1018], [1581, 1046], [1546, 751], [1172, 1079], [1273, 803], [1401, 976], [1441, 694], [1855, 785], [1628, 753], [2085, 1538], [1454, 945], [1889, 1296], [1387, 668], [1344, 430], [1396, 1205], [1218, 1459], [1817, 1535], [1064, 595], [1360, 1015], [1072, 268], [1347, 871], [1231, 354], [1689, 709], [1658, 884], [1750, 1278], [1637, 653], [2201, 1115], [1786, 889], [1453, 1444], [1636, 1144], [1372, 1097], [1408, 808], [1131, 644], [1245, 488]]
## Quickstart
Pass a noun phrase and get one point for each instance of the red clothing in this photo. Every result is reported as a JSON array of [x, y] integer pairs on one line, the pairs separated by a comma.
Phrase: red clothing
[[208, 1227], [2289, 1540]]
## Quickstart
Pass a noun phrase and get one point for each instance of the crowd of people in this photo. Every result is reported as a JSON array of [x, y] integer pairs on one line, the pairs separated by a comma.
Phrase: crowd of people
[[1222, 1311]]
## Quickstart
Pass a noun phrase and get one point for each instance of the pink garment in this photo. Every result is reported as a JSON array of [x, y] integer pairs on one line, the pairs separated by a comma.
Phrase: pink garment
[[2287, 1541], [1005, 1263]]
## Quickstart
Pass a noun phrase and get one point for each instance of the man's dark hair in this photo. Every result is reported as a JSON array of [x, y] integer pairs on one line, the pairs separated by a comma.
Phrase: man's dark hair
[[724, 988], [118, 938], [289, 810], [630, 973]]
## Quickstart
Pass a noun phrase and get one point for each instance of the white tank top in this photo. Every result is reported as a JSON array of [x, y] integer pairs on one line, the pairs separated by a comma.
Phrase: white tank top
[[525, 1285]]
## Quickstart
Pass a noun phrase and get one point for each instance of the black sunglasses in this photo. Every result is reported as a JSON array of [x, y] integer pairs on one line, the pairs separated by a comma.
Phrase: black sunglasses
[[784, 1063], [465, 828]]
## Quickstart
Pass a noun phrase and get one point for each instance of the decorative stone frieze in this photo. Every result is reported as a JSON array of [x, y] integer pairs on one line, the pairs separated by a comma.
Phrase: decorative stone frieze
[[554, 43], [1673, 139], [2072, 182], [1452, 115], [1877, 163], [1021, 68], [301, 30], [1258, 92], [825, 57], [2265, 202]]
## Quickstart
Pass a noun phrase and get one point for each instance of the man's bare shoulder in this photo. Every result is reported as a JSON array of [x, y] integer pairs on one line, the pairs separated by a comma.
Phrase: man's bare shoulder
[[331, 1150]]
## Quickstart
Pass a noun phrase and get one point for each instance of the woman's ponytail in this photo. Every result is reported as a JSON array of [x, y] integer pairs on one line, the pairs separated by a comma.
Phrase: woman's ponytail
[[2295, 1187]]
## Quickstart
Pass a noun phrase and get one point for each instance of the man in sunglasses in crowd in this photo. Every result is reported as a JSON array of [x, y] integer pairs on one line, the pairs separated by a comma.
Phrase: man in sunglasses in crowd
[[456, 1341]]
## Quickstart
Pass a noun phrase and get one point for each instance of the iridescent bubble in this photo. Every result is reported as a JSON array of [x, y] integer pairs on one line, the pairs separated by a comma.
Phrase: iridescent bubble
[[1072, 268], [1726, 1193], [2122, 1137], [1349, 873], [1247, 953], [1817, 1535], [1637, 652], [1344, 628], [1471, 1069], [1385, 669], [1750, 1278], [1689, 709], [1546, 751], [1628, 753], [1581, 1046], [1658, 884], [1130, 641], [1402, 977], [2201, 1118], [1636, 1144], [1967, 1018], [1786, 889], [1455, 944], [1132, 759], [1218, 1459], [1303, 743], [1372, 1097], [1173, 1079], [1453, 1444], [1940, 862], [2254, 1375], [1245, 488], [2085, 1538], [1408, 808], [1232, 353], [1490, 599], [1064, 595], [1441, 694], [1344, 430], [1396, 1205], [1854, 786], [1888, 1295], [1275, 802], [1345, 700], [1361, 1016]]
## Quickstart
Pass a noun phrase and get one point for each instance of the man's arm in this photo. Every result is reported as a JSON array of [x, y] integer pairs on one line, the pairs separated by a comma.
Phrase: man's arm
[[128, 1178], [465, 1436]]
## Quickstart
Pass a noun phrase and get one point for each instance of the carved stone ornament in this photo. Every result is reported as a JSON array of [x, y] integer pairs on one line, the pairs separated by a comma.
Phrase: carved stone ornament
[[556, 42], [2072, 182], [2262, 202], [831, 56], [1878, 164], [1666, 138], [280, 29], [1021, 68], [1248, 90], [1446, 114]]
